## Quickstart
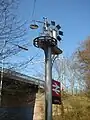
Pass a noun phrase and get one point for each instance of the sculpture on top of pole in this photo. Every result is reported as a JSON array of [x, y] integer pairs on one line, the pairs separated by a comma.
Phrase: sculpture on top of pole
[[48, 41]]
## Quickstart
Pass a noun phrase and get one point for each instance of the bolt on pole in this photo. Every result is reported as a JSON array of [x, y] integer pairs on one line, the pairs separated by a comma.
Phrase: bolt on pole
[[48, 84]]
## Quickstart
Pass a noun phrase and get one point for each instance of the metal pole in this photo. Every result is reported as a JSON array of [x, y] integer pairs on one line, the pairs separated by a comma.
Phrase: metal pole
[[48, 84], [1, 83], [2, 72], [48, 42]]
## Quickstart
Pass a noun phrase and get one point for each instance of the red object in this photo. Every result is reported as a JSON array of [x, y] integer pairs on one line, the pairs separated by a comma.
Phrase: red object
[[56, 92], [55, 88]]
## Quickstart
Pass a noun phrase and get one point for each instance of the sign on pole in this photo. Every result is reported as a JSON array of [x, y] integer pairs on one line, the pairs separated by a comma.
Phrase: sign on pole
[[56, 92]]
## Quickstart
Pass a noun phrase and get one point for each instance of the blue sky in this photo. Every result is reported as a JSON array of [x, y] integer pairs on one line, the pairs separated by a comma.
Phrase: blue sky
[[72, 15]]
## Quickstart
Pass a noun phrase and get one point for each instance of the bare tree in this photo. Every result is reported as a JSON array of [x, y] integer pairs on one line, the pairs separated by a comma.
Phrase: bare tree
[[83, 54], [68, 73], [12, 30], [12, 33]]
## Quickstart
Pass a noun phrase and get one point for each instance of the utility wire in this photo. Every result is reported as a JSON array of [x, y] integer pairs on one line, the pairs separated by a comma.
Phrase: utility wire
[[33, 11]]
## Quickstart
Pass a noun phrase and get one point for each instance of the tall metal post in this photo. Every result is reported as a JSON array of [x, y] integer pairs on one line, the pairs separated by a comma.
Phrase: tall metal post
[[2, 72], [48, 42], [1, 83], [48, 84]]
